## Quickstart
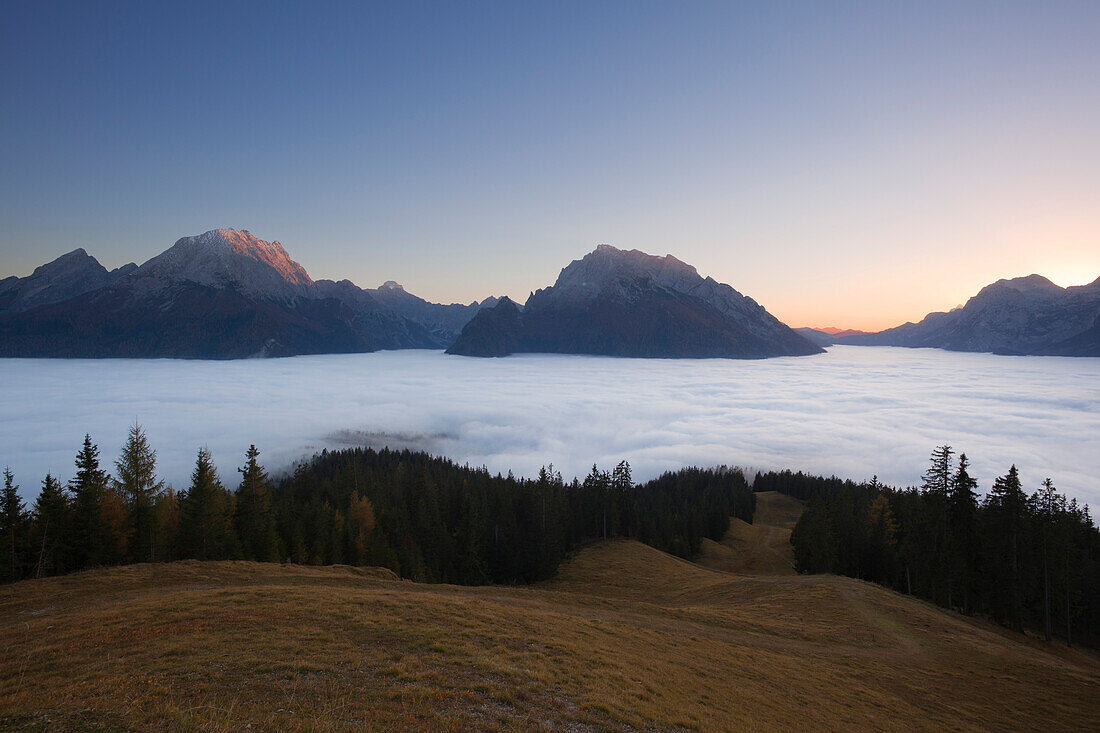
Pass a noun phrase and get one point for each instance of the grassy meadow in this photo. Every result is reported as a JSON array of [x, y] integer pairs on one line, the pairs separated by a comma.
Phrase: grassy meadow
[[625, 637]]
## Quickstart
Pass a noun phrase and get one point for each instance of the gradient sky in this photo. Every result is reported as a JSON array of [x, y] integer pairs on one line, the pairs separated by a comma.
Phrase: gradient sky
[[849, 164]]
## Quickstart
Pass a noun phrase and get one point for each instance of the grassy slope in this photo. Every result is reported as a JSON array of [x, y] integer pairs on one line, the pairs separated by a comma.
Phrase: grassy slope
[[760, 548], [625, 636]]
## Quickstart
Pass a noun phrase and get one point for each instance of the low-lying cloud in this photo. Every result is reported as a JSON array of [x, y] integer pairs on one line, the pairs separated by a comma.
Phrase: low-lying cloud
[[855, 412]]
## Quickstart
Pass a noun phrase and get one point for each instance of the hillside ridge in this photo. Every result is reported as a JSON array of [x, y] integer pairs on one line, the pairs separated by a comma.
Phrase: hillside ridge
[[625, 637]]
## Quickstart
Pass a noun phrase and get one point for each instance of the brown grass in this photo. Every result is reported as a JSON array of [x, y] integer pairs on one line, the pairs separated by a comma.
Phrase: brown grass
[[625, 637], [760, 548]]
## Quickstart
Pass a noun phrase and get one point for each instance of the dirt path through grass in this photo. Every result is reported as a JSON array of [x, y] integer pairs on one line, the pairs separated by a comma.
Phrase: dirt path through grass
[[760, 548]]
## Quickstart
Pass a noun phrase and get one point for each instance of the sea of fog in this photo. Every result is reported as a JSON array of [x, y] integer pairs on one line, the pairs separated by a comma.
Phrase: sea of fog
[[853, 412]]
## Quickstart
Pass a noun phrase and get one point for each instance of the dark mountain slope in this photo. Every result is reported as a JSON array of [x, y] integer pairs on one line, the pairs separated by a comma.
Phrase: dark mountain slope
[[187, 321], [71, 274], [821, 338], [440, 323], [221, 294], [1024, 315], [619, 303]]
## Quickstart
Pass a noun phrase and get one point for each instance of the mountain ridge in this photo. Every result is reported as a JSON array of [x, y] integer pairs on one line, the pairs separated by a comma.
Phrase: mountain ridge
[[616, 302], [221, 294], [1027, 315], [72, 274]]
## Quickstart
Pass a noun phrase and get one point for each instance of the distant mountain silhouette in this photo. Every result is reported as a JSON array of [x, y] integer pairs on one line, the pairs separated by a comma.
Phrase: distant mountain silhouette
[[817, 336], [221, 294], [627, 303], [1024, 315], [69, 275]]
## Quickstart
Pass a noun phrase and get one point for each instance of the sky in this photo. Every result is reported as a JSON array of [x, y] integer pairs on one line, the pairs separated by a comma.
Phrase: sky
[[845, 164]]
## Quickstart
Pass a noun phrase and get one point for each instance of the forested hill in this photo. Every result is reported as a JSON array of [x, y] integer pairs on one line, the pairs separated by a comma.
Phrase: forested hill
[[426, 518], [1027, 561]]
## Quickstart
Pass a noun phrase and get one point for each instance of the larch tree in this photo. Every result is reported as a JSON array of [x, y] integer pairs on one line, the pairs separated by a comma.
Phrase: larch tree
[[361, 523]]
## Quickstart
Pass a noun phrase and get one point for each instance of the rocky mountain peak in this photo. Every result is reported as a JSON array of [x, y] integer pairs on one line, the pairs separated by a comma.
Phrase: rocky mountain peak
[[242, 242], [1010, 289], [1029, 282], [628, 303], [77, 261], [605, 265], [391, 285], [69, 275], [230, 259]]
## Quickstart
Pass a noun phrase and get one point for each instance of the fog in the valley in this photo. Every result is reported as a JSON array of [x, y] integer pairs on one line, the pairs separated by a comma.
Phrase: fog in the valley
[[853, 412]]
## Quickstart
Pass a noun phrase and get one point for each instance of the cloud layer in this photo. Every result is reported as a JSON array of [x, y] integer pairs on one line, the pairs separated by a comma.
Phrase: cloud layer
[[855, 412]]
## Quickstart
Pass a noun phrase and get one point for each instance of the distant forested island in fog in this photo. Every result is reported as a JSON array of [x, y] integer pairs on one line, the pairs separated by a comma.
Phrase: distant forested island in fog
[[226, 294]]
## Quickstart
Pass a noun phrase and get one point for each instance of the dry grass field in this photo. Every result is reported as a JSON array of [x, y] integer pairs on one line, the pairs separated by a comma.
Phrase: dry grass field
[[625, 637], [760, 548]]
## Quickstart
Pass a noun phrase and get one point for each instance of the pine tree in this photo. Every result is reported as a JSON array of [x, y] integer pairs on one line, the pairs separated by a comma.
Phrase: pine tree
[[13, 519], [255, 519], [138, 485], [90, 541], [51, 521], [206, 531]]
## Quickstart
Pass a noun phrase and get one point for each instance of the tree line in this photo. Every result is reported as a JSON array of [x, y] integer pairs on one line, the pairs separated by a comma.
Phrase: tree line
[[424, 517], [1025, 560]]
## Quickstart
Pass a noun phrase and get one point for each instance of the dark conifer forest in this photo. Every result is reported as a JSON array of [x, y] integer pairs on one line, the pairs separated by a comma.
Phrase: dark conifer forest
[[426, 518], [1028, 561]]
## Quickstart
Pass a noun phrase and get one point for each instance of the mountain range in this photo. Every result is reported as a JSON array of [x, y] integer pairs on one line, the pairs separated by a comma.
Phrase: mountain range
[[628, 303], [222, 294], [1020, 316], [227, 294]]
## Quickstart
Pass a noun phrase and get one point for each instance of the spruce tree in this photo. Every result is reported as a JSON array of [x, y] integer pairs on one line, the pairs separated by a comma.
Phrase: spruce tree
[[813, 538], [206, 531], [936, 485], [90, 541], [1007, 508], [139, 486], [255, 519], [51, 523], [13, 519], [1047, 509], [963, 524], [880, 536]]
